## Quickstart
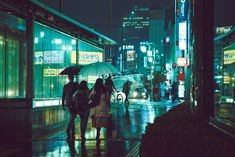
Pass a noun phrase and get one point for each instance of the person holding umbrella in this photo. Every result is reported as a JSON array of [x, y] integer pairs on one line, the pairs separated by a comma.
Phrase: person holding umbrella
[[67, 100]]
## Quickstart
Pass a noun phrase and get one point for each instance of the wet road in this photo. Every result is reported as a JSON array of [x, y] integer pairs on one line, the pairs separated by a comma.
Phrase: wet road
[[123, 139]]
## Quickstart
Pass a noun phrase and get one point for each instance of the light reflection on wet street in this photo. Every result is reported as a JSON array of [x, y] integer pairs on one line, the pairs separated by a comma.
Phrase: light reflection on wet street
[[123, 139]]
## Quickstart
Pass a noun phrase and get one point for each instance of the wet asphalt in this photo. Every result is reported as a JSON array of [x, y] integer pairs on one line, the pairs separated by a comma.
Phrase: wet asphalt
[[122, 139]]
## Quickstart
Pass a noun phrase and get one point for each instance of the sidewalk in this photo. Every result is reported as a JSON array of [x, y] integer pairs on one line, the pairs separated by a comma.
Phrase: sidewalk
[[179, 134]]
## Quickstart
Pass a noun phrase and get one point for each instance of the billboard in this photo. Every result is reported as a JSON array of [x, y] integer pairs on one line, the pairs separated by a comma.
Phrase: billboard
[[182, 9], [182, 35], [130, 55], [49, 57], [229, 56], [86, 57], [53, 57], [182, 62]]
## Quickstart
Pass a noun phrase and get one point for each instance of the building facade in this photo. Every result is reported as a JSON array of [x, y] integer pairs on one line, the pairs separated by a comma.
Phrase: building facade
[[212, 77], [36, 44], [135, 30]]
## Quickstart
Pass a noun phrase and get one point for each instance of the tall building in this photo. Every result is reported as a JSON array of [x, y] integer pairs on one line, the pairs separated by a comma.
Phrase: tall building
[[142, 27], [157, 36], [135, 30]]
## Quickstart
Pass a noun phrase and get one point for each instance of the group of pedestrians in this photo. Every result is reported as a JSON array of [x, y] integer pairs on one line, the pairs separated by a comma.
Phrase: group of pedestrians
[[76, 98]]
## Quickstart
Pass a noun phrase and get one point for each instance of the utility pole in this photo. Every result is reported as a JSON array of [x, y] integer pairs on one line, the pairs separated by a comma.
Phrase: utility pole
[[61, 6]]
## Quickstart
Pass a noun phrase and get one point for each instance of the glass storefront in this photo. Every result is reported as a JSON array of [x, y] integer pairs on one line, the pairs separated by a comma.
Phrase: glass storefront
[[224, 70], [53, 51], [12, 56]]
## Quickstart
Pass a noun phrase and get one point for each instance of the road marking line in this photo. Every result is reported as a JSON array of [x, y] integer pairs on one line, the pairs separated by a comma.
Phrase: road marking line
[[135, 151]]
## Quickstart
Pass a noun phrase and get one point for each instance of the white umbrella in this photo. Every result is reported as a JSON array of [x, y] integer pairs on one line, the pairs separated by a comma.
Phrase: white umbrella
[[98, 69]]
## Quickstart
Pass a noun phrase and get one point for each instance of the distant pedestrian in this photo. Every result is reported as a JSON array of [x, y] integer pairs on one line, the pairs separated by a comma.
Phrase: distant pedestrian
[[68, 91], [100, 113], [81, 100], [126, 89], [174, 92]]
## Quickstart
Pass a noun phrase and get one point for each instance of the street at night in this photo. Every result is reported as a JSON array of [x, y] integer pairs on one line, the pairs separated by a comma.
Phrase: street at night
[[117, 78]]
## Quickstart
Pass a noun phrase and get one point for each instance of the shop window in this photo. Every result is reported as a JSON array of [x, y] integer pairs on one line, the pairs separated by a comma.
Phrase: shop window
[[224, 70], [12, 57], [53, 51]]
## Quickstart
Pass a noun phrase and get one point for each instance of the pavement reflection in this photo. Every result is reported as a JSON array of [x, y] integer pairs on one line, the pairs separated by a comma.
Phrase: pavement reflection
[[121, 139]]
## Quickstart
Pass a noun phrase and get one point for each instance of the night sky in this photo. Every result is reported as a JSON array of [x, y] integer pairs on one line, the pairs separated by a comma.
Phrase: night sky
[[224, 12], [96, 14]]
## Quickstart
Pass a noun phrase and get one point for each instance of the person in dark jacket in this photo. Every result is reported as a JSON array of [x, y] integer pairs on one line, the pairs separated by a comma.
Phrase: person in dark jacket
[[81, 99], [109, 85], [126, 89], [174, 92], [68, 91]]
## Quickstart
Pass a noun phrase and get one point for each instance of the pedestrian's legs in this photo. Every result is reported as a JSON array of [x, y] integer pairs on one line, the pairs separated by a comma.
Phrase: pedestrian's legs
[[84, 115], [173, 98], [178, 98], [71, 126], [126, 100], [98, 134]]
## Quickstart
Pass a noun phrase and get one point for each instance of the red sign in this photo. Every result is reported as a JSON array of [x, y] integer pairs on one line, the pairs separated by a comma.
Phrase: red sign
[[181, 76]]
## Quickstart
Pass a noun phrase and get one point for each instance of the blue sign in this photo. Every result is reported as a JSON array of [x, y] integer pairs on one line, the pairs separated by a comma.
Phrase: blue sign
[[183, 9]]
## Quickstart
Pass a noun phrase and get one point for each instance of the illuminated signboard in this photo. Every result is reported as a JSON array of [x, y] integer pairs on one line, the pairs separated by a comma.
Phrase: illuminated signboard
[[130, 55], [49, 57], [227, 79], [38, 57], [51, 72], [182, 10], [73, 57], [128, 47], [182, 35], [181, 89], [86, 57], [53, 57], [182, 62], [229, 56], [223, 30]]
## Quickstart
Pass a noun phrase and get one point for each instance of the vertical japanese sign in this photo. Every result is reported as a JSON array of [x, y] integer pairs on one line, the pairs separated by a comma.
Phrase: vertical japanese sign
[[182, 35], [182, 9]]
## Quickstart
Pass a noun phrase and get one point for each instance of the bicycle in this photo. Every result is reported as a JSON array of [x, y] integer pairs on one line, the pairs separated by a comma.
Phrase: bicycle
[[117, 97]]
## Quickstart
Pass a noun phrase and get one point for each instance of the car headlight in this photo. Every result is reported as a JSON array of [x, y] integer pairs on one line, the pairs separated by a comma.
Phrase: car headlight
[[143, 94], [135, 94]]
